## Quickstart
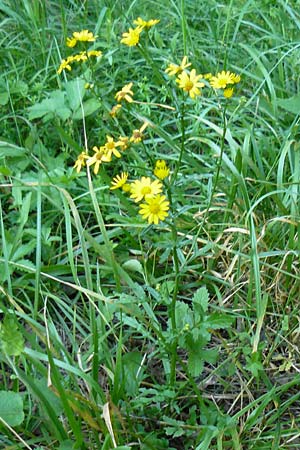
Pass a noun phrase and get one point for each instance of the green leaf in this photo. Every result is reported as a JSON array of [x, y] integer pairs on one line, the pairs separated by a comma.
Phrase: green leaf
[[183, 315], [132, 372], [4, 98], [254, 364], [200, 302], [75, 92], [11, 408], [217, 321], [291, 104], [133, 265], [53, 106], [11, 339], [89, 107], [10, 150], [195, 363]]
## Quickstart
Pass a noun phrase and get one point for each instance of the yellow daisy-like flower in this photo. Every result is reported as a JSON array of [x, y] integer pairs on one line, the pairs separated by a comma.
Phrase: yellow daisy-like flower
[[119, 181], [124, 142], [80, 161], [174, 69], [207, 76], [80, 36], [97, 159], [144, 23], [190, 83], [137, 135], [110, 148], [222, 79], [236, 78], [155, 209], [145, 188], [65, 64], [132, 37], [228, 92], [125, 93], [161, 170], [115, 109]]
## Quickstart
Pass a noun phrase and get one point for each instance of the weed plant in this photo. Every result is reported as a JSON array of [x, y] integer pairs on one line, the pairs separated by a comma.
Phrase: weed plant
[[149, 225]]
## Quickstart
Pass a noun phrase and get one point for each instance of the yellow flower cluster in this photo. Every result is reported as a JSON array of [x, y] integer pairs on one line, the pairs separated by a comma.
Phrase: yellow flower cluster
[[80, 57], [79, 36], [225, 80], [105, 153], [132, 37], [191, 83], [155, 207]]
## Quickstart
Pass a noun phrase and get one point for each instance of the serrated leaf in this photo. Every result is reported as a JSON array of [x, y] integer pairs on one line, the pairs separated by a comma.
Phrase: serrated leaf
[[201, 297], [52, 106], [11, 339], [217, 320], [19, 87], [24, 264], [133, 265], [183, 315], [11, 408], [24, 250], [89, 107], [195, 363], [210, 355]]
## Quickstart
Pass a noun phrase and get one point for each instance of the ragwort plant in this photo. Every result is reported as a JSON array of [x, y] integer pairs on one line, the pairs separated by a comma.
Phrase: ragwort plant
[[187, 327]]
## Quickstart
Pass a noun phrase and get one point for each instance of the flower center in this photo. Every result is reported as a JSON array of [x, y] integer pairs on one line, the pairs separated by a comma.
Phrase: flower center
[[189, 85], [110, 145], [146, 190], [154, 208]]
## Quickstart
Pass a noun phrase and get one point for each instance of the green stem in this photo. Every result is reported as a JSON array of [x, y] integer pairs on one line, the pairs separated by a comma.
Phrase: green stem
[[182, 145], [172, 311]]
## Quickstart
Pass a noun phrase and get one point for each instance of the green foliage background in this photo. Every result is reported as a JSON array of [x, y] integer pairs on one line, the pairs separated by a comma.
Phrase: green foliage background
[[88, 340]]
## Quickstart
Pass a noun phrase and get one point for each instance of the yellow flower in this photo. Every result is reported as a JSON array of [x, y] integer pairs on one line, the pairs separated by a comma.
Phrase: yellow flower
[[228, 92], [125, 93], [207, 76], [155, 209], [110, 148], [145, 188], [80, 36], [80, 161], [95, 53], [174, 69], [190, 83], [119, 181], [124, 142], [82, 56], [137, 135], [97, 159], [146, 24], [71, 42], [65, 64], [115, 109], [161, 170], [132, 37], [236, 78], [222, 79]]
